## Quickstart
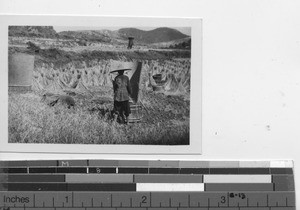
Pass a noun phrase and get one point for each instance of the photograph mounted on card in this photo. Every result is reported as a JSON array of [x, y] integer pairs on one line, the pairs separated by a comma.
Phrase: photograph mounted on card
[[91, 84]]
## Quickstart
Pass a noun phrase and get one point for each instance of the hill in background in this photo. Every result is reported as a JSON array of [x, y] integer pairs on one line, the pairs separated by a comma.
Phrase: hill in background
[[32, 31], [90, 35], [157, 35], [152, 36]]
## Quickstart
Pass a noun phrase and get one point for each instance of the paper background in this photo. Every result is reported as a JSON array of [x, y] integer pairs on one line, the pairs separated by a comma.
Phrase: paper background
[[251, 71]]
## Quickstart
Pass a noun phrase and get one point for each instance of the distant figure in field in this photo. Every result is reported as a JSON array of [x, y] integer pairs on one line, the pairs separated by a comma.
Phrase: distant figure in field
[[122, 92], [64, 100], [130, 42]]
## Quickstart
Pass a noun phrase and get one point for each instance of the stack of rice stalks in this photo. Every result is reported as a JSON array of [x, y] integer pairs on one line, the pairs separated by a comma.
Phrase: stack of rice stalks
[[169, 76], [75, 77]]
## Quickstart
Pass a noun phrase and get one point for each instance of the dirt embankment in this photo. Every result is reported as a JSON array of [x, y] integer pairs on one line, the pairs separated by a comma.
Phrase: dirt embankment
[[60, 57]]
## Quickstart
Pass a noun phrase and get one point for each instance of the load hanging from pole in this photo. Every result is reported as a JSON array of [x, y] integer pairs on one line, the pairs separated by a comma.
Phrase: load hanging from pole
[[20, 71]]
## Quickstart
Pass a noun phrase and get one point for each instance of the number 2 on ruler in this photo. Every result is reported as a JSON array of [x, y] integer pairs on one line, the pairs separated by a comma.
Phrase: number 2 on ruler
[[144, 199]]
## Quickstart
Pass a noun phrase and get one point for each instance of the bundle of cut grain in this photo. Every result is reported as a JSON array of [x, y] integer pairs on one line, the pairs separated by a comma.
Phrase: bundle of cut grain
[[101, 79], [186, 83], [180, 90], [36, 85], [54, 86], [74, 83], [65, 78], [62, 84], [171, 84], [81, 87], [107, 80], [45, 82], [95, 81]]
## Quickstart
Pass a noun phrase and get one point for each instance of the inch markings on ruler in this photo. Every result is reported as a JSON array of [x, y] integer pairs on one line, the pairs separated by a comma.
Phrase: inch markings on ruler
[[147, 185]]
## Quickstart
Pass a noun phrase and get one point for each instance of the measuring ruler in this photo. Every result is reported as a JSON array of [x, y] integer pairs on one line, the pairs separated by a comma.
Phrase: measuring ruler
[[143, 185]]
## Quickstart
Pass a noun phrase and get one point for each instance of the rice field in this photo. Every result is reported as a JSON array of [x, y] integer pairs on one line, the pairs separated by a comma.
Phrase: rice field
[[164, 102], [97, 73], [31, 121]]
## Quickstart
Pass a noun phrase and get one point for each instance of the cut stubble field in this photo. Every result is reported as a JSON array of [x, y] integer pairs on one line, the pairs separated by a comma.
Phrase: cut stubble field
[[32, 121]]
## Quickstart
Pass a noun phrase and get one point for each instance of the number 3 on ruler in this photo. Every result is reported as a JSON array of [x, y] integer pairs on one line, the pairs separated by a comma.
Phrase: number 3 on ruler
[[223, 199]]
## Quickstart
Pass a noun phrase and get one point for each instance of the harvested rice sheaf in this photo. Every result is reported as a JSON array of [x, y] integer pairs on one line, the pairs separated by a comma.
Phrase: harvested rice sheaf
[[175, 74]]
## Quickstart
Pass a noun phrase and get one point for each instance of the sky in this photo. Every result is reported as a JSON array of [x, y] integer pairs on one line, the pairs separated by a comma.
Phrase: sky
[[184, 30]]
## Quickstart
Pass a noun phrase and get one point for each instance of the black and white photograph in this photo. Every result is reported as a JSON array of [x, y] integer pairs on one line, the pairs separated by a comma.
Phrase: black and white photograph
[[100, 84]]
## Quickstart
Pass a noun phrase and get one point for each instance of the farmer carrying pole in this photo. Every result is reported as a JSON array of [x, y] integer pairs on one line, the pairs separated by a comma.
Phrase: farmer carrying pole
[[130, 42], [122, 92]]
